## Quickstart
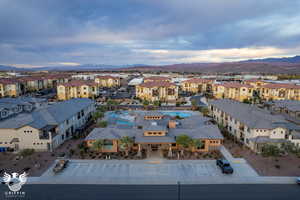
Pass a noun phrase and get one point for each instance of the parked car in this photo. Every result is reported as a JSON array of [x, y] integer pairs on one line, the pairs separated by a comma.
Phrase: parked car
[[225, 166], [298, 180], [60, 165]]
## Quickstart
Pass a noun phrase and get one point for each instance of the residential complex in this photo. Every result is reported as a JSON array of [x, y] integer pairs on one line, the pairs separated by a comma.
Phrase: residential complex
[[9, 88], [279, 91], [252, 126], [152, 130], [77, 89], [108, 81], [197, 85], [157, 89], [26, 125], [233, 90]]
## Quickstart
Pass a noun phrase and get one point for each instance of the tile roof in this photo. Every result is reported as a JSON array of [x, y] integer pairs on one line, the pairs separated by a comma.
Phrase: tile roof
[[78, 83], [8, 81], [156, 84], [199, 132], [110, 133], [291, 105], [51, 115], [107, 77], [250, 115], [234, 85], [280, 85], [157, 78], [197, 80]]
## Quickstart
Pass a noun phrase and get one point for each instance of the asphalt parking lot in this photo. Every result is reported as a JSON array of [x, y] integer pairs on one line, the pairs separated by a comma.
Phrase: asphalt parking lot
[[142, 169]]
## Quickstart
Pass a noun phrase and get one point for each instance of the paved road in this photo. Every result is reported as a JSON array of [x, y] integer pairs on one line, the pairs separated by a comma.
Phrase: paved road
[[165, 192]]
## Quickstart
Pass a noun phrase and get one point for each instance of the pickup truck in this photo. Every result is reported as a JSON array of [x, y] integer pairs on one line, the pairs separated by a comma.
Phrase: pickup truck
[[225, 166]]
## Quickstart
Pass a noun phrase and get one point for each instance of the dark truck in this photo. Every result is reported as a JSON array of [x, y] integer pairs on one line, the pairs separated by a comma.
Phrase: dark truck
[[225, 166]]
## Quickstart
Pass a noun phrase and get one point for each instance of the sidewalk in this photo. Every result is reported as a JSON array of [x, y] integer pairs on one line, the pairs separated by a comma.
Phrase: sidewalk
[[153, 180]]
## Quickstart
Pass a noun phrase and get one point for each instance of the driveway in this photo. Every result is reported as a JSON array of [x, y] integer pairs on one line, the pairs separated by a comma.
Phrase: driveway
[[171, 170]]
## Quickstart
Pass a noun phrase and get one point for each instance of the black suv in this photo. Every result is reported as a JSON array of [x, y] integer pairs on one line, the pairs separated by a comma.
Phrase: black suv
[[225, 166]]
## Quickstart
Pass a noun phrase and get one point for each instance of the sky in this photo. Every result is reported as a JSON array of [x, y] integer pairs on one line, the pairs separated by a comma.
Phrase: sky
[[36, 33]]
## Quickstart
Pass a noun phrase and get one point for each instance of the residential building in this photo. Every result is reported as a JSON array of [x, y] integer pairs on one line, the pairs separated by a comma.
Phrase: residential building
[[157, 131], [252, 126], [9, 88], [256, 83], [157, 91], [44, 128], [233, 90], [77, 89], [108, 81], [197, 85], [279, 91], [157, 79], [288, 108]]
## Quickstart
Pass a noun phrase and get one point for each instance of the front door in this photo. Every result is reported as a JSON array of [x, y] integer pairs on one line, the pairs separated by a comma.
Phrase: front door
[[154, 147]]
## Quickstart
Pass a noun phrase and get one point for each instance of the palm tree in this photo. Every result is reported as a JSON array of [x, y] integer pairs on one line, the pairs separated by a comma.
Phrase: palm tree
[[125, 144], [183, 141], [195, 143], [98, 144]]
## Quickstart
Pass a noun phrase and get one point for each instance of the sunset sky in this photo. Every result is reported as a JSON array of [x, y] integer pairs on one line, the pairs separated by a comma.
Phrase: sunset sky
[[119, 32]]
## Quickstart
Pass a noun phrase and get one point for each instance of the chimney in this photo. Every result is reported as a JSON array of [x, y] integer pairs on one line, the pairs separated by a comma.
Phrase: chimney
[[172, 124]]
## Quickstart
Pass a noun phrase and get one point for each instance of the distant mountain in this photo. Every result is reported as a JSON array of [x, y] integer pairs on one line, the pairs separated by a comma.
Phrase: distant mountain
[[290, 65], [8, 68], [295, 59], [224, 68]]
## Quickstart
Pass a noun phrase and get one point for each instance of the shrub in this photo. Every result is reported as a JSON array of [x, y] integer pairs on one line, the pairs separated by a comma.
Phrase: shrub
[[26, 152], [103, 124]]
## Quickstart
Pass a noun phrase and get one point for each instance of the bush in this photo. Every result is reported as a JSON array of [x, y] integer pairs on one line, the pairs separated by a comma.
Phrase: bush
[[26, 152], [102, 124]]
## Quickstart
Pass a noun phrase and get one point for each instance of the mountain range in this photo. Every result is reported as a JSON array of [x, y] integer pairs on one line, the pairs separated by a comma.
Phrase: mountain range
[[286, 65]]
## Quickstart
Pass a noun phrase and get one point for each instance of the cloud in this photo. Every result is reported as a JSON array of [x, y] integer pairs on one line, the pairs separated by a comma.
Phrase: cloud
[[151, 31]]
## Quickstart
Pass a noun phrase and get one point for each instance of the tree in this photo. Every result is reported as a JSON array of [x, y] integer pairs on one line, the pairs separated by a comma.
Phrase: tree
[[194, 103], [196, 143], [103, 124], [98, 144], [204, 110], [183, 141], [112, 103], [270, 150], [146, 103], [157, 103], [125, 144], [97, 115]]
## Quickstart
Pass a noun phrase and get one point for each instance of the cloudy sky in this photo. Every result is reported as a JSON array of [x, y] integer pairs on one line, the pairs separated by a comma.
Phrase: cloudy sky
[[118, 32]]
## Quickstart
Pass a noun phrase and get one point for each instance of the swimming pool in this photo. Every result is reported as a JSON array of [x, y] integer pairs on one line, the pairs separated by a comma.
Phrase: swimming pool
[[177, 113], [121, 118], [123, 122]]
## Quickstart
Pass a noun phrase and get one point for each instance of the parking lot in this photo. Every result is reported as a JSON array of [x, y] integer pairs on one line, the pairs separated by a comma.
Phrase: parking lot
[[142, 169]]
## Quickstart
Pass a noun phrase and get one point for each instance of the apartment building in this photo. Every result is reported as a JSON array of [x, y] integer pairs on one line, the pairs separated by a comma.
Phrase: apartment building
[[233, 90], [9, 87], [157, 91], [44, 128], [77, 89], [108, 81], [252, 126], [256, 83], [156, 79], [197, 85], [279, 91], [158, 131]]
